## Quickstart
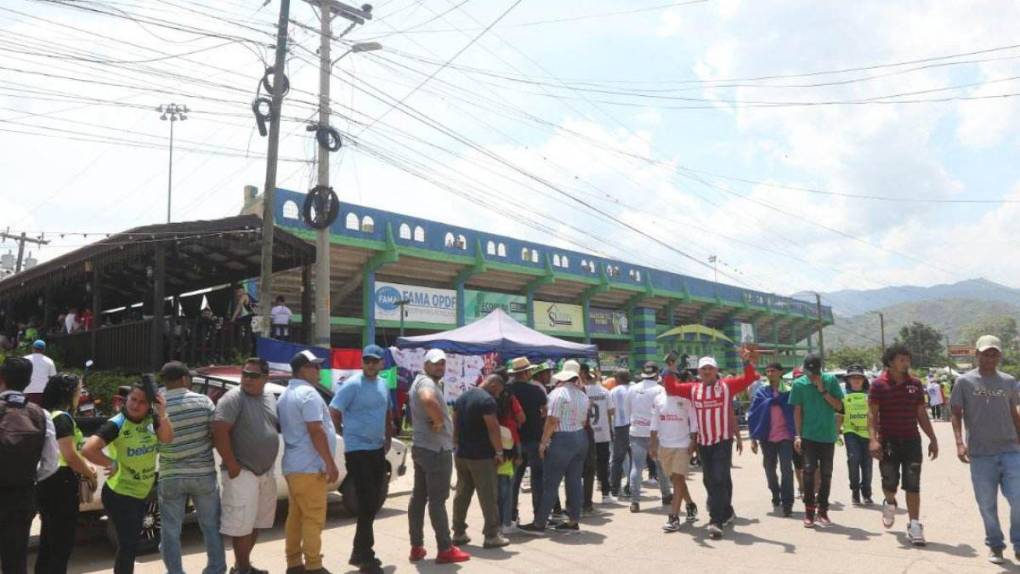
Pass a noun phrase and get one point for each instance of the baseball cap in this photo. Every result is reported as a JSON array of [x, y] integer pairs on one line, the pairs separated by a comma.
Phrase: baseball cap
[[707, 362], [435, 355], [855, 371], [303, 358], [813, 364], [373, 352], [988, 342], [39, 344], [174, 370]]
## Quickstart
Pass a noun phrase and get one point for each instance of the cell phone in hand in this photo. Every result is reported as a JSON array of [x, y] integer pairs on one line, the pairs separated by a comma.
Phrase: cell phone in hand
[[149, 384]]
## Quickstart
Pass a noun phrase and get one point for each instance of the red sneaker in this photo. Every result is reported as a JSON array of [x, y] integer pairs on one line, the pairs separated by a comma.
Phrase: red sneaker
[[417, 553], [452, 555]]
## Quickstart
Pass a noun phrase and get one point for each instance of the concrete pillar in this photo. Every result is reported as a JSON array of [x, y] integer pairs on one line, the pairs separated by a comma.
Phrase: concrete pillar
[[643, 346]]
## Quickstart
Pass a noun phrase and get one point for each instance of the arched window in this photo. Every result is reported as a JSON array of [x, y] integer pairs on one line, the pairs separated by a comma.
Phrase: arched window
[[490, 248], [525, 254], [462, 241], [556, 260], [566, 262], [352, 222], [405, 231], [449, 240], [419, 233], [501, 250], [584, 264], [591, 266], [290, 210], [534, 256], [367, 224], [637, 275]]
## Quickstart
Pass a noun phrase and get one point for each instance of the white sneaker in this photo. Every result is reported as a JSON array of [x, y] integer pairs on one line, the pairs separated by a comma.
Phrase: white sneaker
[[888, 513], [608, 499], [915, 532], [509, 530], [995, 556]]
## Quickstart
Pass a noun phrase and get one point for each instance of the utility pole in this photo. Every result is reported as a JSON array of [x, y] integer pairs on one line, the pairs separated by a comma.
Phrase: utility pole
[[22, 240], [323, 265], [269, 192], [174, 113], [713, 260], [402, 303], [821, 325], [881, 323]]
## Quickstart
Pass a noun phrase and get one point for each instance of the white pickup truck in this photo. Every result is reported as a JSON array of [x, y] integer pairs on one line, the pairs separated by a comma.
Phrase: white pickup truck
[[214, 382]]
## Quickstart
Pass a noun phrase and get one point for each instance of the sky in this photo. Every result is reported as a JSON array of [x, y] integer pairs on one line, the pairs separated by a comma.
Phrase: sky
[[807, 145]]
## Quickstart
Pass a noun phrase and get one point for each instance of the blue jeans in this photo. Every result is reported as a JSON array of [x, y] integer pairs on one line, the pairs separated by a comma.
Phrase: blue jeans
[[638, 457], [529, 452], [988, 474], [780, 453], [858, 459], [505, 486], [564, 461], [205, 495]]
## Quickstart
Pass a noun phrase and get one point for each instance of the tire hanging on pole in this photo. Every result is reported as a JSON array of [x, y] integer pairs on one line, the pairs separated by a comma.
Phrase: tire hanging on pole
[[321, 207]]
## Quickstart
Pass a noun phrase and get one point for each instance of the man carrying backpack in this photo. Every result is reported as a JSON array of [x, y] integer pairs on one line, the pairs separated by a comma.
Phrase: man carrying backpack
[[28, 449]]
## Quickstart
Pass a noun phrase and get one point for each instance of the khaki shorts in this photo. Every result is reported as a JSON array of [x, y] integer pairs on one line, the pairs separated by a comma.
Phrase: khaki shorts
[[674, 460], [249, 502]]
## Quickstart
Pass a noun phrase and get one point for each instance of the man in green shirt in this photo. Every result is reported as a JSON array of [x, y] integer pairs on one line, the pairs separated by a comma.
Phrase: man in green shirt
[[816, 399], [854, 428]]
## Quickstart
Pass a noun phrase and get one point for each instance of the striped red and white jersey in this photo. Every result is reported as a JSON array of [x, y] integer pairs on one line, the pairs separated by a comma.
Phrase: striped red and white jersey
[[712, 404]]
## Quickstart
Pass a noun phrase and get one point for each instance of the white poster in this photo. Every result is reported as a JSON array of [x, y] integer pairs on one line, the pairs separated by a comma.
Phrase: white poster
[[422, 304], [462, 371], [747, 333]]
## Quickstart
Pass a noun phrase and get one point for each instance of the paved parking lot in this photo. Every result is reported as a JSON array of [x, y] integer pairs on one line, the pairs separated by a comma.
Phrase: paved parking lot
[[617, 542]]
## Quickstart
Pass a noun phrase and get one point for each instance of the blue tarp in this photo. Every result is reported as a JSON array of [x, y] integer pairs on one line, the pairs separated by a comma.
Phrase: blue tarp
[[499, 333]]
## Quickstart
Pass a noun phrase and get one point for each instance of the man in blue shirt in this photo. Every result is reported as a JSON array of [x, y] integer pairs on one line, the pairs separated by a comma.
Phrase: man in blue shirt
[[309, 444], [361, 407]]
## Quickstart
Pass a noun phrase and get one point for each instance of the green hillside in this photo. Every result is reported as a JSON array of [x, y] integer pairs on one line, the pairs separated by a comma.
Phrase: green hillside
[[949, 316]]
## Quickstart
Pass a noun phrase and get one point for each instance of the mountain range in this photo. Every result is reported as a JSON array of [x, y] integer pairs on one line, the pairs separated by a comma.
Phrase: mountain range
[[850, 302], [948, 308]]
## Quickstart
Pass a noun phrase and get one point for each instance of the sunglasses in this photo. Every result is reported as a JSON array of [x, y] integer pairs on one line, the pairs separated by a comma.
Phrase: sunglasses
[[251, 374]]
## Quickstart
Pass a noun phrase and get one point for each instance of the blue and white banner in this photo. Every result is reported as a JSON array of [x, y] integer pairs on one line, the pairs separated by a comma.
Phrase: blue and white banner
[[423, 304], [279, 353]]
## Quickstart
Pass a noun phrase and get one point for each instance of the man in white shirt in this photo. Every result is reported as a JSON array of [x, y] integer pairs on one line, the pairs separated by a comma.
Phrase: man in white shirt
[[640, 400], [621, 433], [281, 316], [597, 463], [42, 369], [71, 324], [674, 428], [935, 401]]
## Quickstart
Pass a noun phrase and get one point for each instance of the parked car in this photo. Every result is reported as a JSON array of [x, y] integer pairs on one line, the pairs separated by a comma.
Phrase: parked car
[[214, 382]]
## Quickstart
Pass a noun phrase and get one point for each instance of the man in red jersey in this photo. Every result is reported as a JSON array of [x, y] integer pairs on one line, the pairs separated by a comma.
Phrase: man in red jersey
[[713, 399]]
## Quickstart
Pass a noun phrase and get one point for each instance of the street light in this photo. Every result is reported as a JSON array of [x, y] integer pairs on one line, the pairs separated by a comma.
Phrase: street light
[[358, 48], [174, 113]]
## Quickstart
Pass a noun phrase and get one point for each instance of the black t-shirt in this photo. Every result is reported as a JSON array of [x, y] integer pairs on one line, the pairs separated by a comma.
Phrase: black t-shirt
[[532, 399], [63, 425], [473, 436]]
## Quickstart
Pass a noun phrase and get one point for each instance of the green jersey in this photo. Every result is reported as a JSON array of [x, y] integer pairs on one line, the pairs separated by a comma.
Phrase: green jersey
[[134, 447], [61, 423], [819, 418], [855, 413]]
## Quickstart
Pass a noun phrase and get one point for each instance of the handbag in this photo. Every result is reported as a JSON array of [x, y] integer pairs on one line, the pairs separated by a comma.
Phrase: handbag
[[86, 489]]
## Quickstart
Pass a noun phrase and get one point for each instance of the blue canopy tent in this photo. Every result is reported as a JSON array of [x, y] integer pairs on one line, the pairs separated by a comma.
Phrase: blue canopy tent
[[500, 333]]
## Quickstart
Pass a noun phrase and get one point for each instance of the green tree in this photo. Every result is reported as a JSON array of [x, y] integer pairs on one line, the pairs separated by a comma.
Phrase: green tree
[[847, 356], [1003, 327], [925, 344]]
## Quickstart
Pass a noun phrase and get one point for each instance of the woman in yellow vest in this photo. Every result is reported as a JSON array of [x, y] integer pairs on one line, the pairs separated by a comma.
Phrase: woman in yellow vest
[[854, 425], [132, 438], [58, 495]]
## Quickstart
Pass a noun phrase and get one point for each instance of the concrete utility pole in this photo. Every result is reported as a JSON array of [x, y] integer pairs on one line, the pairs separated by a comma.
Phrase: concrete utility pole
[[269, 191], [323, 265], [821, 326], [22, 240], [174, 113], [881, 323]]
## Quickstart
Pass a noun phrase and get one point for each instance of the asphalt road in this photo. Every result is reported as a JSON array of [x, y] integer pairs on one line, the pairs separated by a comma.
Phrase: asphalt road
[[618, 542]]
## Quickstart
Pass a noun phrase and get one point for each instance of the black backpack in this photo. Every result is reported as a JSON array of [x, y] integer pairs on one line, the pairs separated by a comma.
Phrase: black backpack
[[22, 435]]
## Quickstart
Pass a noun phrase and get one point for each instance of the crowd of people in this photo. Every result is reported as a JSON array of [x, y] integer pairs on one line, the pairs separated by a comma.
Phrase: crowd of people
[[558, 428]]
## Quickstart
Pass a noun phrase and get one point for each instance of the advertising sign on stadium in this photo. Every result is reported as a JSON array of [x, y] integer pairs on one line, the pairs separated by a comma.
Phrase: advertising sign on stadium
[[478, 304], [608, 321], [559, 317], [424, 304]]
